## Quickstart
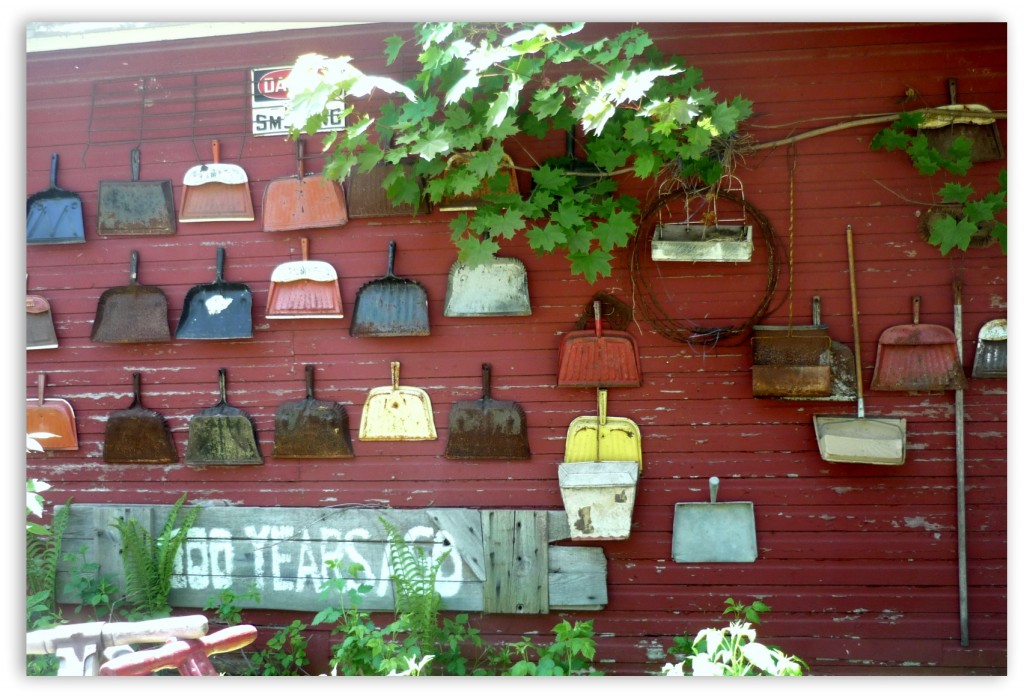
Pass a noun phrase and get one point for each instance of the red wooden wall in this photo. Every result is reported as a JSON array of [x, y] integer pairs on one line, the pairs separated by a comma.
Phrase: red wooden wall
[[858, 562]]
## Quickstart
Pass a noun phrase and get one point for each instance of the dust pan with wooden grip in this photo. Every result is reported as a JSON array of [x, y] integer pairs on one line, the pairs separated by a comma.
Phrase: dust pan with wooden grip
[[792, 361], [486, 428], [713, 531], [39, 330], [135, 208], [215, 193], [857, 439], [54, 215], [990, 357], [917, 358], [301, 202], [495, 288], [222, 434], [397, 413], [603, 438], [599, 358], [218, 310], [131, 314], [971, 121], [390, 306], [304, 289], [53, 417], [137, 435], [312, 428]]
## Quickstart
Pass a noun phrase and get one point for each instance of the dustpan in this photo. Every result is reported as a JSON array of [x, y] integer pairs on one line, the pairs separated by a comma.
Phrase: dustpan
[[54, 215], [990, 357], [917, 358], [504, 177], [312, 428], [396, 413], [599, 358], [51, 416], [304, 289], [132, 314], [368, 192], [603, 438], [39, 330], [713, 531], [390, 306], [135, 208], [971, 121], [486, 428], [218, 310], [495, 288], [792, 361], [222, 434], [215, 192], [301, 202], [137, 435], [856, 439], [598, 498]]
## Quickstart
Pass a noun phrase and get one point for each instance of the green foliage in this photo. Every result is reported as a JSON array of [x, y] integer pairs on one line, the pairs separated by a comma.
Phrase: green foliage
[[966, 212], [224, 604], [571, 653], [42, 553], [285, 653], [149, 561], [480, 85], [93, 589]]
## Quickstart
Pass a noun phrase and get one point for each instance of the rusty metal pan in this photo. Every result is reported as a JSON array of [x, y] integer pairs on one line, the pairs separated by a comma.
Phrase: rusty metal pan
[[599, 358], [917, 358], [222, 434], [487, 428], [135, 208], [137, 435], [390, 306], [301, 202], [312, 428], [131, 314]]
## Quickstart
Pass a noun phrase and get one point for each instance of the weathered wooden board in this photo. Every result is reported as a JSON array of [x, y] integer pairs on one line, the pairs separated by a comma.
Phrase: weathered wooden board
[[495, 561]]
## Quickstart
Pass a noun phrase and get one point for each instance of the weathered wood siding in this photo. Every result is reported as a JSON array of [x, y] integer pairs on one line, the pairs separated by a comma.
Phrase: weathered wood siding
[[858, 562]]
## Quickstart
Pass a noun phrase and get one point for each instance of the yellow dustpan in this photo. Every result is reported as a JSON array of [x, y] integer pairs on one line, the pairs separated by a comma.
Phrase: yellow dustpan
[[603, 438], [397, 413]]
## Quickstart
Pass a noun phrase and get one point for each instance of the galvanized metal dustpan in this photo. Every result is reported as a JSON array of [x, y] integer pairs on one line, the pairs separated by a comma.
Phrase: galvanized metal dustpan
[[390, 306], [222, 434], [312, 428], [136, 208], [301, 202], [792, 361], [397, 412], [217, 310], [990, 357], [132, 314], [39, 330], [51, 416], [917, 358], [495, 288], [486, 428], [603, 438], [304, 289], [137, 435], [856, 439], [215, 193], [599, 358], [710, 532], [55, 215]]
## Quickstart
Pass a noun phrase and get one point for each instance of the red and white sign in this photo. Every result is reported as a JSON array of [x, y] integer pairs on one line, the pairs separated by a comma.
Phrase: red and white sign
[[270, 99]]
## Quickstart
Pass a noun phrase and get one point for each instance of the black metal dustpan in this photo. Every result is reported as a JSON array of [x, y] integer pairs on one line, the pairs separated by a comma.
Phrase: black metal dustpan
[[222, 435], [137, 435], [390, 306], [55, 215], [312, 428], [486, 428], [217, 310]]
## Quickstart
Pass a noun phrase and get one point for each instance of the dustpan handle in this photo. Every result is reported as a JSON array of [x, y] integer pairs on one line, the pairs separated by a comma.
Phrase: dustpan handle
[[41, 382], [53, 171], [133, 268], [394, 374], [300, 153], [220, 264], [713, 485], [597, 317], [215, 146], [222, 377], [136, 160], [136, 390], [486, 370], [856, 321], [917, 309], [951, 84], [391, 258], [309, 381], [305, 248]]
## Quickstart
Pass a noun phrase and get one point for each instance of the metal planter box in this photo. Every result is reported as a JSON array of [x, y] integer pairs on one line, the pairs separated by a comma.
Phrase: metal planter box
[[598, 498], [690, 242]]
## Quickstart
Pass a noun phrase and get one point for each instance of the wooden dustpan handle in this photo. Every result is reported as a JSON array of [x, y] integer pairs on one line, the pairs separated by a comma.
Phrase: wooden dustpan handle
[[394, 374], [41, 382], [216, 151], [305, 248], [856, 321], [597, 317], [300, 152], [917, 309]]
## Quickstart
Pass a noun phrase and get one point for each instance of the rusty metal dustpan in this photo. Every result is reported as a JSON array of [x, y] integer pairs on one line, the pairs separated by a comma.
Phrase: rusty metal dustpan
[[54, 215], [970, 121], [495, 288], [990, 359], [135, 208], [312, 428], [368, 192], [217, 310], [132, 314], [39, 330], [856, 439], [222, 434], [137, 435], [603, 438], [713, 531], [215, 193], [301, 202], [599, 358], [486, 428], [397, 413], [53, 417], [917, 358], [390, 306], [504, 177], [304, 289], [792, 361]]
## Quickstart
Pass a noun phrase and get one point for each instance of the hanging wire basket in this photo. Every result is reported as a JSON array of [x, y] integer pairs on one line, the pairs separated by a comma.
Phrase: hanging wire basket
[[704, 234]]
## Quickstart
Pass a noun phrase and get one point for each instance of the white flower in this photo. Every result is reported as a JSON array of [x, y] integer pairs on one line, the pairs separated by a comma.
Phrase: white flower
[[760, 656], [673, 669], [704, 667], [413, 667]]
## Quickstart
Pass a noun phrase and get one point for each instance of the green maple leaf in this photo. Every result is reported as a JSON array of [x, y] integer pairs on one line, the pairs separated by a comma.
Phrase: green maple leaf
[[615, 231], [392, 45], [591, 264], [645, 163], [545, 238], [947, 232]]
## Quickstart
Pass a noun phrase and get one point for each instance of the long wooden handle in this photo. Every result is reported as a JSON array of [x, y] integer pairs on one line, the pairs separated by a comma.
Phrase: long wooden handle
[[856, 320]]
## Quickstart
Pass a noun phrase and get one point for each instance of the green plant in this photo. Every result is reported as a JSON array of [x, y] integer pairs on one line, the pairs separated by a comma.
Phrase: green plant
[[480, 85], [42, 552], [92, 588], [285, 653], [732, 650], [571, 653], [414, 577], [149, 561], [965, 213], [224, 604]]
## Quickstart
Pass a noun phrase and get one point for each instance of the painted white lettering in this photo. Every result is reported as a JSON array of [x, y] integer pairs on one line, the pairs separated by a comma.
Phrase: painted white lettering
[[259, 541], [280, 533]]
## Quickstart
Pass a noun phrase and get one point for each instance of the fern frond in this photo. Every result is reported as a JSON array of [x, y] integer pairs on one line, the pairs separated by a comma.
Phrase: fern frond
[[42, 554]]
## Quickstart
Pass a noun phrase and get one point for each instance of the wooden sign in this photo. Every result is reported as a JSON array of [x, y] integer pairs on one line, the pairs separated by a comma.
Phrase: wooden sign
[[498, 561]]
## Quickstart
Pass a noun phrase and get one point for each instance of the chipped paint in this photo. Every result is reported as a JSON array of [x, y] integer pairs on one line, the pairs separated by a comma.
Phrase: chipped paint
[[921, 522]]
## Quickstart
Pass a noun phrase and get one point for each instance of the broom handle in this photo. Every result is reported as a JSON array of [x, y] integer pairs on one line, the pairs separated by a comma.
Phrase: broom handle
[[856, 321], [961, 484]]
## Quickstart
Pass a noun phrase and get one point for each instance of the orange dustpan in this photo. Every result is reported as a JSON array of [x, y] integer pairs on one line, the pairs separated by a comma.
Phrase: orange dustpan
[[304, 289], [54, 417], [302, 203], [215, 192], [602, 358]]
